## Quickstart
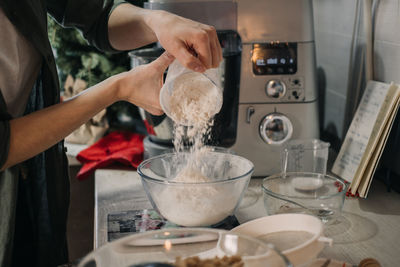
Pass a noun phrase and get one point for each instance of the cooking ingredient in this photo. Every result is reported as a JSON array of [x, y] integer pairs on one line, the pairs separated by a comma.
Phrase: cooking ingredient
[[307, 183], [194, 99], [369, 262], [194, 203], [225, 261]]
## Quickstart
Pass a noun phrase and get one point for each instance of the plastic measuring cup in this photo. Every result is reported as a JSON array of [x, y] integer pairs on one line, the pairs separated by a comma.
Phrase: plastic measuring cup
[[304, 155], [201, 90]]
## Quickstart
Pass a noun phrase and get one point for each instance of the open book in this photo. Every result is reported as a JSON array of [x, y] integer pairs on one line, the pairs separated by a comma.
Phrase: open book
[[367, 135]]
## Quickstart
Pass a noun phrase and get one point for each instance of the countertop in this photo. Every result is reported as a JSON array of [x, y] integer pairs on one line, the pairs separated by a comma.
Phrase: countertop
[[368, 227]]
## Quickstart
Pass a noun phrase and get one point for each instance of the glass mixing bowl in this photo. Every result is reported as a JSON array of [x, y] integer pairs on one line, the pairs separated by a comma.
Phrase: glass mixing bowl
[[162, 248], [201, 202], [317, 194]]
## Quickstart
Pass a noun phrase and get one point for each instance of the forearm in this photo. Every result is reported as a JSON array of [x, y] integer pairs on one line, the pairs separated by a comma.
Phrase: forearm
[[128, 27], [193, 44], [36, 132]]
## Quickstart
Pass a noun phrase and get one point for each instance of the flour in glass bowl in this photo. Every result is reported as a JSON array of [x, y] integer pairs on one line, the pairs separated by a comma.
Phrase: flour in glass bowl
[[195, 100], [195, 204]]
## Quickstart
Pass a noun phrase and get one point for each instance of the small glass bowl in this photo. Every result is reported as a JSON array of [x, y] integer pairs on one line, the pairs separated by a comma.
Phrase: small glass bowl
[[321, 195]]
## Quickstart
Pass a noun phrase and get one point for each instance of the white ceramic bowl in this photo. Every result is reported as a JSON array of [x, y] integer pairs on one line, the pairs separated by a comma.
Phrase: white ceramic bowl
[[298, 236]]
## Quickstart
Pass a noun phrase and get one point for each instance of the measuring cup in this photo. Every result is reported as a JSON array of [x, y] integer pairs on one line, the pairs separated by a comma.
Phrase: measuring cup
[[304, 155], [200, 94]]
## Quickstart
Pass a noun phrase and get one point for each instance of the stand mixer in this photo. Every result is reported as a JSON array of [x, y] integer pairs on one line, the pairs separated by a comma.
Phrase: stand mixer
[[269, 74]]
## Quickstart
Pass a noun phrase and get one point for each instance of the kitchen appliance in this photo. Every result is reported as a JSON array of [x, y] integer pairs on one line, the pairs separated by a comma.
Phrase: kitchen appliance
[[269, 73]]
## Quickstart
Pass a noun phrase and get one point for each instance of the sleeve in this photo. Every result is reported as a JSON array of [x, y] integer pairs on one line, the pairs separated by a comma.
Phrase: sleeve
[[4, 131], [89, 16]]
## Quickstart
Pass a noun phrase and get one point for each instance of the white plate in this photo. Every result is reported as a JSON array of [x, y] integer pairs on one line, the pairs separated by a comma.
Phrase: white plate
[[165, 245]]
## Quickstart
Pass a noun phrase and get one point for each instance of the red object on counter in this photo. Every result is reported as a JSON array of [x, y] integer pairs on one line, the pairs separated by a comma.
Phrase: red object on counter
[[149, 127], [116, 147]]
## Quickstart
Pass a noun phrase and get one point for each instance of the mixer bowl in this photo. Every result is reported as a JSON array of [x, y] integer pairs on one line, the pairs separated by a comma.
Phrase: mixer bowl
[[201, 202], [317, 194]]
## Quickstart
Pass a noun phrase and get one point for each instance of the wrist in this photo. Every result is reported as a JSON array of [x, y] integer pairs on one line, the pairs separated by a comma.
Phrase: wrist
[[115, 84], [152, 17], [119, 83]]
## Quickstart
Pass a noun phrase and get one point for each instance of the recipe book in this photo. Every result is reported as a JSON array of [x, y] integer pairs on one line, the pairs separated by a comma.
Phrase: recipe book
[[367, 135]]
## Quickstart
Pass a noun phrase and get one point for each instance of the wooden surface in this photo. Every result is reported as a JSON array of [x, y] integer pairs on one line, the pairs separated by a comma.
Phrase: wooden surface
[[367, 228]]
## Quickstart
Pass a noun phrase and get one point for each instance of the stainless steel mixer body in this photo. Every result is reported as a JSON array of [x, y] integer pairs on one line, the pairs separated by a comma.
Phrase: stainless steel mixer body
[[270, 85]]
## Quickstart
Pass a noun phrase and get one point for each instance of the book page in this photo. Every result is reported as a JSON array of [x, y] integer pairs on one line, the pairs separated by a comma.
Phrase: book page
[[358, 135], [375, 142], [365, 184]]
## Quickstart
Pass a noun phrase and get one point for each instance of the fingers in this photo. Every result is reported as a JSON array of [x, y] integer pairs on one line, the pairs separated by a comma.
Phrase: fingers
[[216, 52], [202, 47], [159, 66], [186, 57], [154, 111], [199, 50], [162, 62], [207, 47]]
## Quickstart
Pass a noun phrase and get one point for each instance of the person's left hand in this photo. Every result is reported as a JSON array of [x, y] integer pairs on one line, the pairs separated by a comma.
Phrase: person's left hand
[[193, 44], [141, 85]]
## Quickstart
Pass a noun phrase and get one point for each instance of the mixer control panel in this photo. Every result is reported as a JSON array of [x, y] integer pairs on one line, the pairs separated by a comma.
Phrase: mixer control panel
[[275, 89], [274, 58], [289, 89]]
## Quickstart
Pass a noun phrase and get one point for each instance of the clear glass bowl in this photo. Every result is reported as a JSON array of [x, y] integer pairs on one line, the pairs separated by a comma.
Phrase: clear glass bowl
[[200, 203], [317, 194], [163, 247]]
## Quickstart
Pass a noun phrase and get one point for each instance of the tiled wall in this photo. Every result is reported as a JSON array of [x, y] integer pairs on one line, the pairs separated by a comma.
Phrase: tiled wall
[[334, 20]]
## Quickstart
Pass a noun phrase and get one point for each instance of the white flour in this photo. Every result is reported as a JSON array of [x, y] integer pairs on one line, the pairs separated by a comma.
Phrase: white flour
[[195, 100], [196, 204]]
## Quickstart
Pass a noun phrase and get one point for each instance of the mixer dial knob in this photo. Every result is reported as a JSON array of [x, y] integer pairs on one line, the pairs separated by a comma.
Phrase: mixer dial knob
[[276, 129], [275, 89]]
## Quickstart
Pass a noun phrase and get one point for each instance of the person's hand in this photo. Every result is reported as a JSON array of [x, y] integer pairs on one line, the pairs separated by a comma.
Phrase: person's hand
[[193, 44], [141, 85]]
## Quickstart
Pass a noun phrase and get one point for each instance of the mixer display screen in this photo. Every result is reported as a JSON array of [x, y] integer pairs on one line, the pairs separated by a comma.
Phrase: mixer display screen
[[274, 58]]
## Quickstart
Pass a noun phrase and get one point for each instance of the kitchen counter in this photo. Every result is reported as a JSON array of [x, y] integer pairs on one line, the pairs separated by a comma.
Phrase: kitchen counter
[[368, 228]]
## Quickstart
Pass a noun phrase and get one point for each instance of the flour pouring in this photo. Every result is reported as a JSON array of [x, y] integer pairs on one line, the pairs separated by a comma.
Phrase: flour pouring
[[191, 98]]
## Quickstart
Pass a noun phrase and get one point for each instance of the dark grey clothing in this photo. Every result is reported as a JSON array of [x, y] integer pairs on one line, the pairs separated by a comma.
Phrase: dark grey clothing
[[34, 195]]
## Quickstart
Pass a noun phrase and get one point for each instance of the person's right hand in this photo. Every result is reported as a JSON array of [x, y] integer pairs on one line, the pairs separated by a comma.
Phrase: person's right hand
[[141, 85], [193, 44]]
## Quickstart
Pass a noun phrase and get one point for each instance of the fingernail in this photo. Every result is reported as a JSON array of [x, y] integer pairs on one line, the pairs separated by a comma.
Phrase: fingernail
[[199, 68], [169, 55]]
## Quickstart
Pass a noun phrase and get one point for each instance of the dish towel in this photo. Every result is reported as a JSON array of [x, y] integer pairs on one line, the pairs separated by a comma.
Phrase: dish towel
[[116, 147]]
